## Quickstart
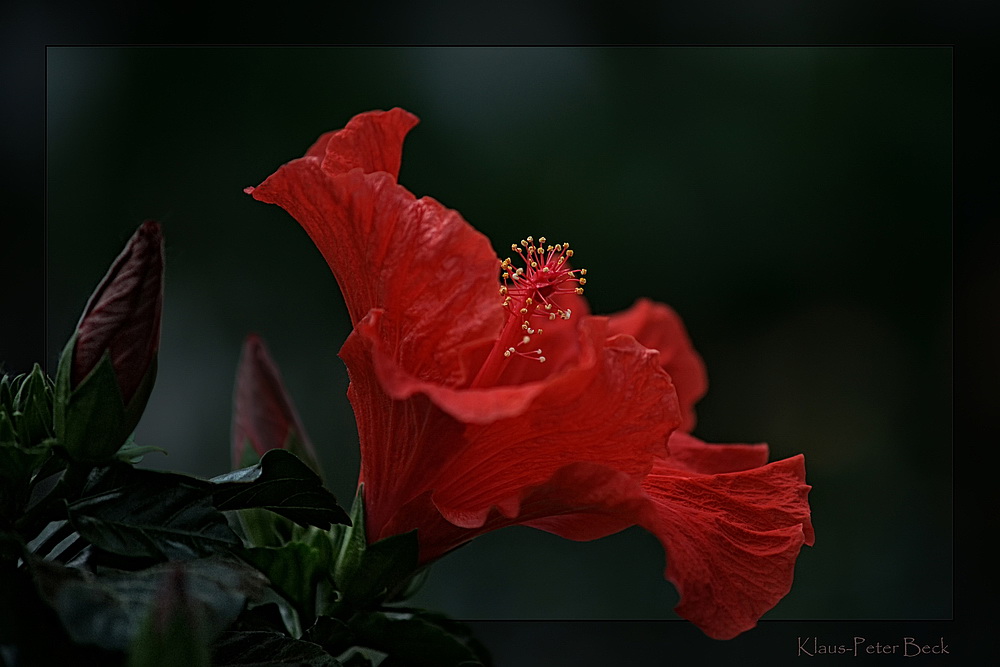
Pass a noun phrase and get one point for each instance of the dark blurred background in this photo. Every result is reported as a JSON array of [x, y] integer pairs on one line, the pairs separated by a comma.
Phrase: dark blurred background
[[793, 204]]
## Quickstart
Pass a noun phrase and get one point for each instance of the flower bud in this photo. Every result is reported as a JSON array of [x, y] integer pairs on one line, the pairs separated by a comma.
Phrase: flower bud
[[107, 369], [122, 316], [263, 414], [25, 408]]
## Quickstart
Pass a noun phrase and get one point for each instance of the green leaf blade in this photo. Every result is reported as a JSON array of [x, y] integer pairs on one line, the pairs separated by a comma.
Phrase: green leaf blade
[[152, 515], [282, 484], [416, 641], [268, 649]]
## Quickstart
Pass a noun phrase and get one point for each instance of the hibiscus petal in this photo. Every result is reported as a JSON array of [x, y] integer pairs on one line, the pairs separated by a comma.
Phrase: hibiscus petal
[[404, 443], [686, 453], [689, 453], [581, 501], [470, 406], [372, 141], [615, 409], [658, 327], [731, 539], [616, 413], [584, 501], [434, 276]]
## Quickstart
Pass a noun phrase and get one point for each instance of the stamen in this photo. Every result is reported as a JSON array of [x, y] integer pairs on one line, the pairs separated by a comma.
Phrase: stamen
[[543, 277], [531, 290]]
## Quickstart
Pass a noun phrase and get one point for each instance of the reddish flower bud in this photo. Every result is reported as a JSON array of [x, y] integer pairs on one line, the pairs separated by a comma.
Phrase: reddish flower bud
[[107, 369], [122, 316], [263, 413]]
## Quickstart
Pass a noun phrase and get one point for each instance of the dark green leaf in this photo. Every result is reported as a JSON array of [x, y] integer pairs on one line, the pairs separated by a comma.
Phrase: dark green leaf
[[31, 631], [268, 649], [282, 484], [17, 468], [366, 573], [263, 528], [142, 513], [107, 609], [90, 420], [264, 617], [295, 571], [412, 587], [52, 482], [330, 633], [389, 565], [358, 659], [459, 630], [132, 453], [18, 464], [413, 641], [352, 548], [54, 540]]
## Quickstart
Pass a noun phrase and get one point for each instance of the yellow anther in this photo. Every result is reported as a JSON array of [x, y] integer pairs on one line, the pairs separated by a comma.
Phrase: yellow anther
[[583, 272], [583, 281], [541, 360], [541, 240], [579, 290]]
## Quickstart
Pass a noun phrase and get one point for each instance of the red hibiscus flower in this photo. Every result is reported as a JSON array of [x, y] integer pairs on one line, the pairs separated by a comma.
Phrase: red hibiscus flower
[[486, 395]]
